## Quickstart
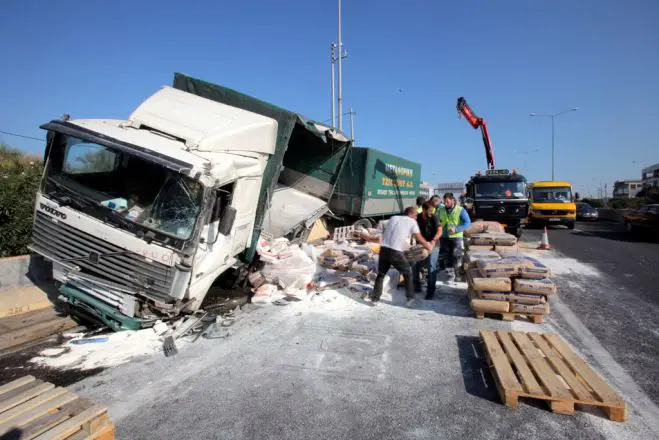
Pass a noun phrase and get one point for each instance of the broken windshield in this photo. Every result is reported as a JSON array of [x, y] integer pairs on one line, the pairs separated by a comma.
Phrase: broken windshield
[[87, 176]]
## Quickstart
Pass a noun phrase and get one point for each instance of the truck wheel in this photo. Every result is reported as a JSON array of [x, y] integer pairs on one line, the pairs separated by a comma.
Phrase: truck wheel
[[517, 232], [570, 225], [363, 223]]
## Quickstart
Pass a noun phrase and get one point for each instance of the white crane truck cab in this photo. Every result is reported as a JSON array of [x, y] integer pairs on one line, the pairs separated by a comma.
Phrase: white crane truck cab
[[140, 216]]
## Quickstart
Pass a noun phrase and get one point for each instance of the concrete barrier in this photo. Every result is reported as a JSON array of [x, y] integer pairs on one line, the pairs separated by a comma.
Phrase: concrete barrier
[[613, 215], [23, 271]]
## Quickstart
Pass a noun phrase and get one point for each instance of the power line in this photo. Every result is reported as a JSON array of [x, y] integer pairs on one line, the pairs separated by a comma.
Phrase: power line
[[21, 136]]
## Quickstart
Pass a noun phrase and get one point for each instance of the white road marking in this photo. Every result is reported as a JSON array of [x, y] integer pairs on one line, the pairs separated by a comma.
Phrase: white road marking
[[624, 383]]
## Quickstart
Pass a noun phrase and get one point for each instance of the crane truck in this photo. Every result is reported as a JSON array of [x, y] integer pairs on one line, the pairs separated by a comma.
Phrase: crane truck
[[500, 194]]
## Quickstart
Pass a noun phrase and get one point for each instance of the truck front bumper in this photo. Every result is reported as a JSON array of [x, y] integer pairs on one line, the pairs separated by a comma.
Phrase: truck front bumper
[[100, 310]]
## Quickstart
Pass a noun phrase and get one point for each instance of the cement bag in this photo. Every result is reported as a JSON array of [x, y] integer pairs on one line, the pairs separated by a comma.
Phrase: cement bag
[[505, 248], [505, 267], [294, 272], [527, 298], [539, 309], [536, 271], [495, 296], [503, 239], [489, 306], [482, 239], [472, 257], [480, 283], [477, 227], [544, 286], [416, 253], [493, 227], [480, 247]]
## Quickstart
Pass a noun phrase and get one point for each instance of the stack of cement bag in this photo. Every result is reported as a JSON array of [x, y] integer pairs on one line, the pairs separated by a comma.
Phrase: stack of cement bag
[[489, 236], [508, 283]]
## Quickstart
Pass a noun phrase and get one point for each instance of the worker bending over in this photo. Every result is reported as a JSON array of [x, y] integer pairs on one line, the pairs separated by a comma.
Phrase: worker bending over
[[453, 220], [395, 238]]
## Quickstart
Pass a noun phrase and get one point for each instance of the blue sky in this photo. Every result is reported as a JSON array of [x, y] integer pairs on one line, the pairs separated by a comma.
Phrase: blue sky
[[407, 63]]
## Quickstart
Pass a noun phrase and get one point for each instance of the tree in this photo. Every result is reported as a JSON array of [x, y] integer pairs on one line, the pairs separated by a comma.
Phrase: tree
[[20, 175]]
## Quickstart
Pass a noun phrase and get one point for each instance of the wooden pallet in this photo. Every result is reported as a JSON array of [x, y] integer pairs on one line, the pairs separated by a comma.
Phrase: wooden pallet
[[33, 409], [510, 316], [543, 366]]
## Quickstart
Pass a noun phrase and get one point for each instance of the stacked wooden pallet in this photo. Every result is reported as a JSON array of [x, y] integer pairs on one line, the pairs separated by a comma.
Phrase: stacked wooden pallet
[[508, 285], [33, 409], [543, 366]]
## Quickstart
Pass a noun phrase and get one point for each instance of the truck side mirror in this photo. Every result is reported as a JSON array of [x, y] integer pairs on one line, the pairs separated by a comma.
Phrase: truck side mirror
[[226, 223], [469, 203]]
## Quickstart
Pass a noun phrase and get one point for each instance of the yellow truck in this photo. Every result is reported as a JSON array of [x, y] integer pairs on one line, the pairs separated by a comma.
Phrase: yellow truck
[[551, 203]]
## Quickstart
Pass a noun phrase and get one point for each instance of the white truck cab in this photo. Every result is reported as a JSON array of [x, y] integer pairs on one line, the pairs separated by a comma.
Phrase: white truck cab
[[140, 216]]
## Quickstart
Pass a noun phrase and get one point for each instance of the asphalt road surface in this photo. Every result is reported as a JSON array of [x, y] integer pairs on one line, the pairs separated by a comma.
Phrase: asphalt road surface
[[620, 306], [335, 368]]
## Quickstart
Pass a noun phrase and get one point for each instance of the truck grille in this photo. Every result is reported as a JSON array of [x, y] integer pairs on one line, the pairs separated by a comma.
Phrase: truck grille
[[553, 212], [129, 270]]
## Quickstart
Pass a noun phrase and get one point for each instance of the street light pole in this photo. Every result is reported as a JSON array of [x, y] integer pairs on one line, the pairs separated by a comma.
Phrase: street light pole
[[332, 61], [340, 100], [553, 135]]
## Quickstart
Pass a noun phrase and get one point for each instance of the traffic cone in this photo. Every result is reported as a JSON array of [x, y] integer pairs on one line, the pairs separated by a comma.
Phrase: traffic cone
[[544, 241]]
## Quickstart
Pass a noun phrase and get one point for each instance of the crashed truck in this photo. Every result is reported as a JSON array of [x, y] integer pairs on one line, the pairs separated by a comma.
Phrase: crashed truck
[[141, 217]]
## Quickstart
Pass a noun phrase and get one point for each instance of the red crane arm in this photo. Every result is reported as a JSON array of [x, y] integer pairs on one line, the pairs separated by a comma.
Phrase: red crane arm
[[476, 122]]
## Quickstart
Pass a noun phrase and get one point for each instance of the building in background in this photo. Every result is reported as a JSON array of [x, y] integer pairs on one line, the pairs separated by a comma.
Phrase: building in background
[[627, 188], [650, 176], [426, 190], [456, 188]]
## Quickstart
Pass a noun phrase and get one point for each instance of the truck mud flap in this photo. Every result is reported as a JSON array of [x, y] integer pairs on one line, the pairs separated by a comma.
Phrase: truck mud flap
[[105, 313]]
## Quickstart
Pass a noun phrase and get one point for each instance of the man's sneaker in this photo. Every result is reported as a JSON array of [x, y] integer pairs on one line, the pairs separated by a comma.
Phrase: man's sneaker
[[451, 276], [410, 303]]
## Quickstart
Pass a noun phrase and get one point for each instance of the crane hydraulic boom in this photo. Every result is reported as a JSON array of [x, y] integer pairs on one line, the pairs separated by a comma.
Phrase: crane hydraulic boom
[[476, 122]]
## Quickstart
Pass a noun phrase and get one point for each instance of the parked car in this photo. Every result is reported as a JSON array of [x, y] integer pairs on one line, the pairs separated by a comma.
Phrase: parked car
[[586, 212], [645, 219]]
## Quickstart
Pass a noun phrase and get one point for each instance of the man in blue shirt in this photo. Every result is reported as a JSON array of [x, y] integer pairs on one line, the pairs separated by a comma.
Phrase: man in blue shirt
[[453, 220]]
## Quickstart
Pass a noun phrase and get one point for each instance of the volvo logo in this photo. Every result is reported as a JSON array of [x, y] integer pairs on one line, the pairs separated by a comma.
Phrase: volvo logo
[[52, 211]]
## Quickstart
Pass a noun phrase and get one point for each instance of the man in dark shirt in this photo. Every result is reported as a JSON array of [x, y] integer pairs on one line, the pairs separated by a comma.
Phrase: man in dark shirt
[[431, 231]]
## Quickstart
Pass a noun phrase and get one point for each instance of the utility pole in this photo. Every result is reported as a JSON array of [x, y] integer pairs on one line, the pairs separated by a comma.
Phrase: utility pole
[[332, 61], [352, 126], [340, 46]]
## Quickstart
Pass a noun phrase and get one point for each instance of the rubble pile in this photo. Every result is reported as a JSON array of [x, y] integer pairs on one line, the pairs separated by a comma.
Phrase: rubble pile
[[348, 262]]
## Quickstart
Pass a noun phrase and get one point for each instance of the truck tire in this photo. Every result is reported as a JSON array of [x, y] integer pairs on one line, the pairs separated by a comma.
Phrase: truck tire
[[517, 232], [570, 225], [363, 223]]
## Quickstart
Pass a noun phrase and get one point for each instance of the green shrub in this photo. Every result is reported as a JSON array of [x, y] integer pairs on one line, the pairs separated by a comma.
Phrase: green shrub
[[19, 180]]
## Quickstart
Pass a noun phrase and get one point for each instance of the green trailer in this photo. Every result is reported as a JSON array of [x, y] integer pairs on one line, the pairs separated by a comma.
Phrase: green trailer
[[374, 185]]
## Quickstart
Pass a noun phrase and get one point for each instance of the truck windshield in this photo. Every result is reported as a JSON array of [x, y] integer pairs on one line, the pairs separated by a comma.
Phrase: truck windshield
[[501, 190], [96, 179], [559, 194]]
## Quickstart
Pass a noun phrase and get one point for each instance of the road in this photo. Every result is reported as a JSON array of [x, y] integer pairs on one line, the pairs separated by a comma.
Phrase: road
[[620, 305], [333, 367]]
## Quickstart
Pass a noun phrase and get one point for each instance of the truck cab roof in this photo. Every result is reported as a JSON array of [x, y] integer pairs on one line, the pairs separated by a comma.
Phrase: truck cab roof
[[498, 178]]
